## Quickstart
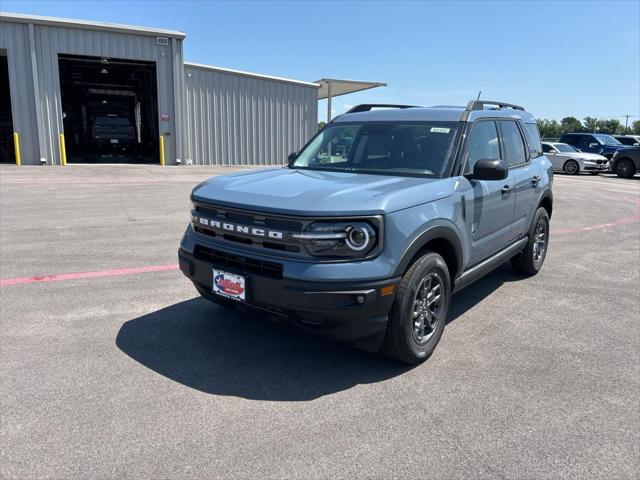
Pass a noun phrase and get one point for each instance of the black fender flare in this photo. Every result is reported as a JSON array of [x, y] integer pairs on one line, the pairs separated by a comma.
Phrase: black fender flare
[[433, 232], [547, 194]]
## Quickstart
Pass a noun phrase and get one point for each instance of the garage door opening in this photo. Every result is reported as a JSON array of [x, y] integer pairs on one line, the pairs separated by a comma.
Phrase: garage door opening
[[109, 110], [7, 152]]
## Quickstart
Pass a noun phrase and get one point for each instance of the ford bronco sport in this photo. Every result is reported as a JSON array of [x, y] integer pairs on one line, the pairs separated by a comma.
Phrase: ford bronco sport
[[368, 231]]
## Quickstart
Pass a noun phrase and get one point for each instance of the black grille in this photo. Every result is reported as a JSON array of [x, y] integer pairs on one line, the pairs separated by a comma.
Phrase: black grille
[[250, 219], [238, 263]]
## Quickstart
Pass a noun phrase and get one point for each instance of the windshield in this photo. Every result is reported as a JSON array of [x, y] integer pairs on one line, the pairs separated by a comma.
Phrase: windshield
[[410, 148], [563, 147], [607, 140], [112, 121]]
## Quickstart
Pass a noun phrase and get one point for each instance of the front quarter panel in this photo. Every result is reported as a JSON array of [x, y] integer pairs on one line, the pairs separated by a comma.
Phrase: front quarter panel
[[407, 231]]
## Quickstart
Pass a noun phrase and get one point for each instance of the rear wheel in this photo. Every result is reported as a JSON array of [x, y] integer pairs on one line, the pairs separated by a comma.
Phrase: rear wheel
[[419, 311], [530, 260], [625, 168], [571, 167]]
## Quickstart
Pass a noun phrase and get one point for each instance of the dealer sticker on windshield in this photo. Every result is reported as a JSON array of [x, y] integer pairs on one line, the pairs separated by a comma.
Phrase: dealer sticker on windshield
[[439, 130], [229, 285]]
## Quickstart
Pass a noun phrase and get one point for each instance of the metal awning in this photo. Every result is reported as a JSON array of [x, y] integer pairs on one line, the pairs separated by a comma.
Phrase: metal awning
[[333, 87]]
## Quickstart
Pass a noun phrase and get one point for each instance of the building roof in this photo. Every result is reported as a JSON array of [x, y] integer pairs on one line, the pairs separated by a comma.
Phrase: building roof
[[249, 74], [343, 87], [87, 24]]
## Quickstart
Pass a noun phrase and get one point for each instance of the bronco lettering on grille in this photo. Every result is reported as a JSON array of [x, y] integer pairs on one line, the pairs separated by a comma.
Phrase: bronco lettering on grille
[[243, 229]]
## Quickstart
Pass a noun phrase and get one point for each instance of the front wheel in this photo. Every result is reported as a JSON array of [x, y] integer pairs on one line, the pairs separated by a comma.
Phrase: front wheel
[[530, 260], [419, 311], [571, 167], [625, 168]]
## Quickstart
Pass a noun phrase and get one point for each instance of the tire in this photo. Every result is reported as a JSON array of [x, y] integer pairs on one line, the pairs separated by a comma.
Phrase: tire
[[625, 168], [571, 167], [419, 312], [530, 260]]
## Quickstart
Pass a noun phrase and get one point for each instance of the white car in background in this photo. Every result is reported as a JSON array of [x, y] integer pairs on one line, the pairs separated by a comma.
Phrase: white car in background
[[572, 161]]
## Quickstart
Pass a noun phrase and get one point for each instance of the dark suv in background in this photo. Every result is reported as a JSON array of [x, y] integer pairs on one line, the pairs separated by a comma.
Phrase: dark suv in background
[[599, 143], [626, 162]]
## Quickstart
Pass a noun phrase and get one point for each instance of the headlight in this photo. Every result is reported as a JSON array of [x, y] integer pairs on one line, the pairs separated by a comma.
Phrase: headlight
[[339, 239], [192, 217]]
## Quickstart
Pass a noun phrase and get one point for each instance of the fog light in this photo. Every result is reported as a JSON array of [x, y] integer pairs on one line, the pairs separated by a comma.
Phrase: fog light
[[360, 299]]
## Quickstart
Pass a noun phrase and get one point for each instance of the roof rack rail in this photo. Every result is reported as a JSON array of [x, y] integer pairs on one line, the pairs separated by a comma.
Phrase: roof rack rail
[[479, 105], [367, 107]]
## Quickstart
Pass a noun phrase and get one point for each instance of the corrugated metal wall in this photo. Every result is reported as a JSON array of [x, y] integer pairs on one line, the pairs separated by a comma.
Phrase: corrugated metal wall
[[216, 117], [50, 41], [14, 38], [233, 119]]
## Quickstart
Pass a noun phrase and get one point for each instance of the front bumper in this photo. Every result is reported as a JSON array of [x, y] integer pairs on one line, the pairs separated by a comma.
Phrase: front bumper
[[595, 167], [353, 312]]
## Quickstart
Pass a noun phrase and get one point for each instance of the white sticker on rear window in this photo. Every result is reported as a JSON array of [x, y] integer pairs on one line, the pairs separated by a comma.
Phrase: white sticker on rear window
[[439, 130]]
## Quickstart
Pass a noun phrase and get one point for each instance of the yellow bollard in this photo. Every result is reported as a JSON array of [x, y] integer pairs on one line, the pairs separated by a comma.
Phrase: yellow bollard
[[161, 150], [16, 148], [63, 150]]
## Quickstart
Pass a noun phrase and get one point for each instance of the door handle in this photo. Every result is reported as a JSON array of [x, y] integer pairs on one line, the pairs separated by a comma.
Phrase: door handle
[[535, 179], [506, 189]]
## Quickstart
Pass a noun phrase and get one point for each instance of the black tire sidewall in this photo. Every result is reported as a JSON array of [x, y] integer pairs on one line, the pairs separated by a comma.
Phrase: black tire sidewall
[[429, 263], [619, 170], [531, 263]]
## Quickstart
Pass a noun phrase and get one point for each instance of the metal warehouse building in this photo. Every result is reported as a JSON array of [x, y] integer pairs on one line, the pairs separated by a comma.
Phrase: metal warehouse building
[[91, 92]]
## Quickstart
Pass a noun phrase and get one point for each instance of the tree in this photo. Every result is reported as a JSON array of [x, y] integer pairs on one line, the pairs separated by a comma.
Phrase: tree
[[611, 126], [591, 124], [321, 125], [635, 127], [549, 129], [570, 124]]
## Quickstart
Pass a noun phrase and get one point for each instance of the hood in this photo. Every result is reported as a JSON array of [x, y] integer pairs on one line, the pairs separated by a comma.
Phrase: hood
[[613, 148], [307, 192], [592, 156]]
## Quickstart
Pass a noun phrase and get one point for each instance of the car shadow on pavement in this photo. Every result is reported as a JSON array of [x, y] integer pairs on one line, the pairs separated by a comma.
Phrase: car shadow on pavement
[[231, 352], [480, 290]]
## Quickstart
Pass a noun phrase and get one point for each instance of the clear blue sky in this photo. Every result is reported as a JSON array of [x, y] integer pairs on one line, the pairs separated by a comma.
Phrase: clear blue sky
[[556, 58]]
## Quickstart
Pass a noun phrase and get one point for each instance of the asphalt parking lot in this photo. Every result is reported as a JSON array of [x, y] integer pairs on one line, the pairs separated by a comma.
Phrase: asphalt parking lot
[[119, 370]]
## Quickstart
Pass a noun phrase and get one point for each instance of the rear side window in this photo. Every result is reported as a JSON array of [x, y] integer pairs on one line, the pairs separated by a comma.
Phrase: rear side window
[[571, 139], [546, 148], [585, 141], [513, 145], [533, 139], [483, 144]]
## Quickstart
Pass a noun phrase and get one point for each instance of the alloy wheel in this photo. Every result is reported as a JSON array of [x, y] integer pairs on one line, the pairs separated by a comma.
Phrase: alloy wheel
[[427, 308], [540, 241], [571, 167]]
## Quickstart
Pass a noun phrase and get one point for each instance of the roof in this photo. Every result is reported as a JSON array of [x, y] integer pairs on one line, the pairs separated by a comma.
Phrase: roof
[[343, 87], [88, 24], [440, 113], [249, 74]]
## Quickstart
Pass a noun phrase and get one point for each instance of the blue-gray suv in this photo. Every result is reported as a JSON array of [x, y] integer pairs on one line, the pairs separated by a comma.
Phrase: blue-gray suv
[[368, 231]]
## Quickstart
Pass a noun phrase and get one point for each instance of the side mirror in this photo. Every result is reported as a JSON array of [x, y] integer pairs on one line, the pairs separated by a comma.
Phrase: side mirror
[[292, 156], [594, 145], [489, 169]]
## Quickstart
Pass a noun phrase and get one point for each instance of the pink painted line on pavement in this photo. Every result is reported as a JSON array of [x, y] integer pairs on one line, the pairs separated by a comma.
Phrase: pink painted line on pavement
[[588, 228], [82, 275], [161, 268]]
